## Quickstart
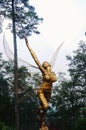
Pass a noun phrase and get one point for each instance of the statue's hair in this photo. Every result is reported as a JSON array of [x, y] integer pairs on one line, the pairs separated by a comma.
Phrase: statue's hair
[[46, 64]]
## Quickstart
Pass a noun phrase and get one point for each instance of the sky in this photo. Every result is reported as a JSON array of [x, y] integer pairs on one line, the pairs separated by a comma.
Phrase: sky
[[64, 20]]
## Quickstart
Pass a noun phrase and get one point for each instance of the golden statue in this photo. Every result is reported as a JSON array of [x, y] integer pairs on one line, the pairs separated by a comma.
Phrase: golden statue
[[44, 92]]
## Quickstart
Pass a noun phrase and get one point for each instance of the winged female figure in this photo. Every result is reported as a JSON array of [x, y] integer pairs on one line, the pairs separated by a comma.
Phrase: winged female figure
[[49, 77]]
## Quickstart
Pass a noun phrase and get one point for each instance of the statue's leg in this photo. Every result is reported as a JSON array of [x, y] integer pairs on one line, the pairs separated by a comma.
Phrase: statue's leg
[[43, 121], [43, 99], [48, 94]]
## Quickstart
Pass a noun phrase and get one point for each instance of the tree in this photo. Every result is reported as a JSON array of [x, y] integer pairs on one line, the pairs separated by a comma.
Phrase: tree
[[24, 22], [64, 103], [6, 104], [27, 98], [81, 124], [78, 71], [26, 19], [68, 97], [1, 21]]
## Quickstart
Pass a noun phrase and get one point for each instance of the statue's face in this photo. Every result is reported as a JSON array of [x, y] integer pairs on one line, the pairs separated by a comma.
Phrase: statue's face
[[49, 68], [46, 65]]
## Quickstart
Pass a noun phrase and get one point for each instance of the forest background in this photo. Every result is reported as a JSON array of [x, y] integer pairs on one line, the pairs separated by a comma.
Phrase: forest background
[[68, 103]]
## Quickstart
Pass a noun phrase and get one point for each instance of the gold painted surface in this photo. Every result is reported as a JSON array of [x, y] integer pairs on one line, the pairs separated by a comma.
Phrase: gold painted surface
[[44, 92]]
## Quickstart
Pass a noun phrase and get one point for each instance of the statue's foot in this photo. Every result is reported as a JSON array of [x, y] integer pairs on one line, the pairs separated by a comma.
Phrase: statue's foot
[[43, 126]]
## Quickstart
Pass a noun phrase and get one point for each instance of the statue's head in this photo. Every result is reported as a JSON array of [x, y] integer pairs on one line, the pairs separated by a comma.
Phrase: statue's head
[[46, 64]]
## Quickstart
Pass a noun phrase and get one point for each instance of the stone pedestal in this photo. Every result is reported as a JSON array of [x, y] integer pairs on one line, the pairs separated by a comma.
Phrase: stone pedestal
[[41, 112], [44, 128]]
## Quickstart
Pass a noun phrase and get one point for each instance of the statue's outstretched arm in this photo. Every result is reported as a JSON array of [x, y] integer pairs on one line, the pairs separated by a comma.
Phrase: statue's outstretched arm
[[34, 55]]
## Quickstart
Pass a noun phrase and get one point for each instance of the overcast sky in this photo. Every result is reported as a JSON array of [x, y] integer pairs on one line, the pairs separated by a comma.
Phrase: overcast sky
[[64, 20]]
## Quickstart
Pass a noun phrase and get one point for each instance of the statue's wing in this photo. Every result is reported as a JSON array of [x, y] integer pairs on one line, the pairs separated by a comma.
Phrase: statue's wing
[[10, 54], [55, 55]]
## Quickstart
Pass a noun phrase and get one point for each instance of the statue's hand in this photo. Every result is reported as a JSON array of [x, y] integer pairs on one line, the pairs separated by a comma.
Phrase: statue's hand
[[26, 40]]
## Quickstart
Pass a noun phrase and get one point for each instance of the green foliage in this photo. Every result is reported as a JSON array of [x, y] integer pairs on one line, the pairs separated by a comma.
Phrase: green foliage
[[68, 102], [69, 96], [78, 65], [26, 19], [6, 104], [81, 124], [78, 72], [27, 98], [3, 126]]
